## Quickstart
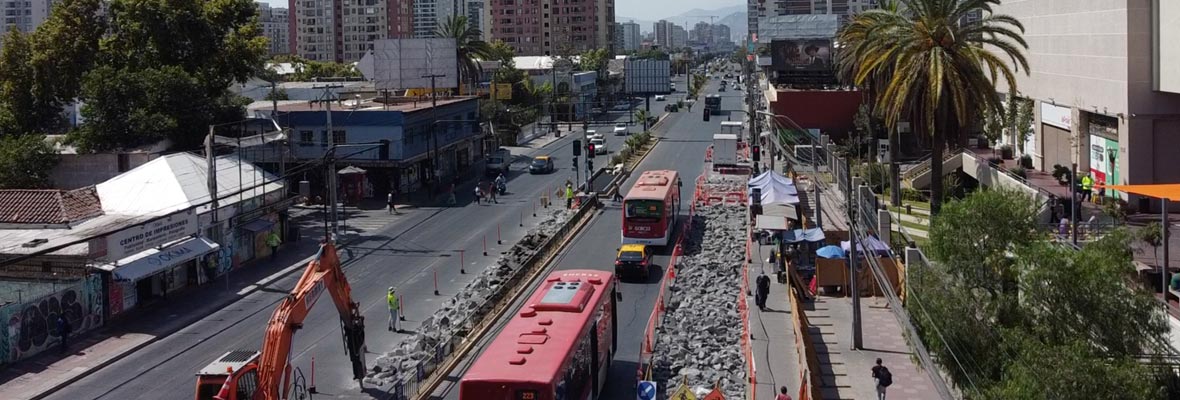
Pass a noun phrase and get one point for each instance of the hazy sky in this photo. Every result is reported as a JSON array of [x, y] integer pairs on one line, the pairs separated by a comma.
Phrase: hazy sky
[[645, 9]]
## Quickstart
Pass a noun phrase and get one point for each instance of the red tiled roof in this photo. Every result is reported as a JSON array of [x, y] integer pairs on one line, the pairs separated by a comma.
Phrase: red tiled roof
[[22, 206]]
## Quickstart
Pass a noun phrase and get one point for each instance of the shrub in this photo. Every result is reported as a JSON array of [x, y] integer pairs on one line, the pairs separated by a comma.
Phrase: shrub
[[875, 175], [1019, 171], [911, 194], [1026, 161], [1061, 173], [995, 161]]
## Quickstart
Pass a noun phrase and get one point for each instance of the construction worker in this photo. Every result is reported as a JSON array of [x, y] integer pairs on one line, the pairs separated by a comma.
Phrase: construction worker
[[273, 241], [569, 195], [395, 308], [1087, 186]]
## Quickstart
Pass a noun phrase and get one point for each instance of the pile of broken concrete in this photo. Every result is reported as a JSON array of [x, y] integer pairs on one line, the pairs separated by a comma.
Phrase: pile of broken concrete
[[462, 312], [700, 338]]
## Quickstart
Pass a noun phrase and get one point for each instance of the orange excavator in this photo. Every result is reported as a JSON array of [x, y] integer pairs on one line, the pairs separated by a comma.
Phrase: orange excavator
[[267, 375]]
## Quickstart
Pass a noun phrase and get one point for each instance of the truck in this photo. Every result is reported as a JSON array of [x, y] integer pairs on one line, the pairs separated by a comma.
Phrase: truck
[[498, 162], [713, 104], [725, 149], [267, 374]]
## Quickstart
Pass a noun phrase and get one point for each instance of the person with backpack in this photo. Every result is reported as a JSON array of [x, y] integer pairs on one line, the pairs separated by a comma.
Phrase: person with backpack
[[883, 377], [763, 285], [782, 394]]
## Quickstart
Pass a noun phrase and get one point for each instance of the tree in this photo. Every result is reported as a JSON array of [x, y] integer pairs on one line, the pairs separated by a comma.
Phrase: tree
[[164, 69], [65, 46], [505, 54], [941, 72], [26, 161], [16, 89], [1001, 306], [642, 115], [1152, 235], [470, 48], [1020, 119]]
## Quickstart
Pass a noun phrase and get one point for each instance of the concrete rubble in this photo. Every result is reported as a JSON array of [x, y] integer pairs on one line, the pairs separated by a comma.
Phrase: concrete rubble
[[461, 312], [700, 337]]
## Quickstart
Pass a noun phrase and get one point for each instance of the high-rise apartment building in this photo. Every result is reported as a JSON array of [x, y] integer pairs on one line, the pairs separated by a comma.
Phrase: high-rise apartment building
[[275, 24], [722, 34], [336, 30], [401, 19], [24, 15], [553, 27], [679, 37], [430, 15], [663, 33], [627, 37], [756, 9], [701, 33], [476, 12]]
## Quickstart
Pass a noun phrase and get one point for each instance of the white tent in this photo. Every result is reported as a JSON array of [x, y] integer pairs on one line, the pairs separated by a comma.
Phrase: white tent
[[777, 195], [771, 179]]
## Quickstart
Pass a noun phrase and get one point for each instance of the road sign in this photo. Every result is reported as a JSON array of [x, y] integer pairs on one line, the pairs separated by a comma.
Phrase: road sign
[[646, 390], [715, 395], [683, 394]]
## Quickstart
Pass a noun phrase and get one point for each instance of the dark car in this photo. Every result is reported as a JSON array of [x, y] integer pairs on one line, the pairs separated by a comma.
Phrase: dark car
[[541, 165], [633, 260]]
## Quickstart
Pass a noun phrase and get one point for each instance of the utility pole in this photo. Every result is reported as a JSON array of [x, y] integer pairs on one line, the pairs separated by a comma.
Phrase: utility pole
[[214, 226], [434, 170], [327, 98], [853, 259], [1074, 204]]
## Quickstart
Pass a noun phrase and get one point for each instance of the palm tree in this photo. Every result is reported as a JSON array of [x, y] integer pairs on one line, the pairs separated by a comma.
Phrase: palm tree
[[921, 63], [469, 47], [642, 115]]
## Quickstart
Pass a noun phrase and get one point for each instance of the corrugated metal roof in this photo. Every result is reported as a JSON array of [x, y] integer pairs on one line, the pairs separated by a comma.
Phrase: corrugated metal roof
[[179, 181]]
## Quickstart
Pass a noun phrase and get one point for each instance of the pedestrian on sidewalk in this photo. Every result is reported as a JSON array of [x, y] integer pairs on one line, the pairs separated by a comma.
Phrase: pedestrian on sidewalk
[[64, 329], [763, 283], [478, 193], [395, 308], [273, 241], [1087, 187], [389, 201], [883, 377], [569, 195], [782, 394], [492, 192], [618, 198]]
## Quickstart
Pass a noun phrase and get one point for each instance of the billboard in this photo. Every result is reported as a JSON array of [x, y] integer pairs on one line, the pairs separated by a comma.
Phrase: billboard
[[801, 55], [647, 76], [402, 63]]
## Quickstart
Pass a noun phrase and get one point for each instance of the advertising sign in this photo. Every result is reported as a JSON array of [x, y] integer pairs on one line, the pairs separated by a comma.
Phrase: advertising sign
[[136, 239], [802, 54], [408, 63], [1061, 117], [1104, 161], [647, 76]]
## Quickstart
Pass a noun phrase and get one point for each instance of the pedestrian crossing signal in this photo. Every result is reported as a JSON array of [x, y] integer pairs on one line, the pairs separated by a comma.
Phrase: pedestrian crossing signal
[[706, 114]]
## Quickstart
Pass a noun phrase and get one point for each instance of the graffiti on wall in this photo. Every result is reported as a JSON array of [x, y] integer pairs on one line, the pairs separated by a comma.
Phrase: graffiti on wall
[[31, 327]]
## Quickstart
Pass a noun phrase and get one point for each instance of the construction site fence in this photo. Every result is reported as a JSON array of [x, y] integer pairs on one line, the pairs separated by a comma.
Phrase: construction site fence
[[412, 385], [656, 318]]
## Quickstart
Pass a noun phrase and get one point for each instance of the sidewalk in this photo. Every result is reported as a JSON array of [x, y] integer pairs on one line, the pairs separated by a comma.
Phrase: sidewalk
[[773, 333], [40, 375]]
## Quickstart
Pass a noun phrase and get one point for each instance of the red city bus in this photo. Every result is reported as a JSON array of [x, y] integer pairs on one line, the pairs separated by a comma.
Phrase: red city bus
[[558, 346], [651, 207]]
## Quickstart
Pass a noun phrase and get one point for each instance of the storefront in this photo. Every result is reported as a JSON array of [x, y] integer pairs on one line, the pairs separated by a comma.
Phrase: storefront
[[1104, 151], [154, 273], [1056, 137]]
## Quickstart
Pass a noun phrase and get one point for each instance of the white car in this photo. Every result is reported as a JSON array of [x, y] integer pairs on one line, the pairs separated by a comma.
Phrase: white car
[[621, 129], [592, 134], [660, 97], [599, 145]]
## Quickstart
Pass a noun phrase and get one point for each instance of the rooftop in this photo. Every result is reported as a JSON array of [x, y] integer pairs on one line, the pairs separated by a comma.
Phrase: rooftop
[[48, 207], [402, 104]]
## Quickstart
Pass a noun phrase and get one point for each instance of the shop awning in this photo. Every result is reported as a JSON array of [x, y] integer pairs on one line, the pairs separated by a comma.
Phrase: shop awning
[[152, 261], [1169, 191], [772, 223], [258, 225]]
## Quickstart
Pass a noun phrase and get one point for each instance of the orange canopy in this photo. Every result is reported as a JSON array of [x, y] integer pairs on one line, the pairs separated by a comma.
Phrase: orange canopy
[[1169, 191]]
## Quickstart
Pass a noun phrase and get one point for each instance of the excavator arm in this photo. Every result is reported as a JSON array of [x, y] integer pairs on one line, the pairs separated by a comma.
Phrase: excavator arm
[[323, 273]]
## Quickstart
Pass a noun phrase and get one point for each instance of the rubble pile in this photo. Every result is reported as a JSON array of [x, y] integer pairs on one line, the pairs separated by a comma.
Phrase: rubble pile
[[700, 338], [460, 313], [721, 184]]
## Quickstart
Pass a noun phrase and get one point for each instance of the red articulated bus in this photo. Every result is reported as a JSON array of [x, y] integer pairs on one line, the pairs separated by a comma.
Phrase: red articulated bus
[[559, 346], [651, 207]]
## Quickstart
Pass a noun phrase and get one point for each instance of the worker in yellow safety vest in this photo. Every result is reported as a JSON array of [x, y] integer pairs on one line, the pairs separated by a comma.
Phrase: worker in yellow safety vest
[[1087, 187], [395, 308], [273, 241], [569, 195]]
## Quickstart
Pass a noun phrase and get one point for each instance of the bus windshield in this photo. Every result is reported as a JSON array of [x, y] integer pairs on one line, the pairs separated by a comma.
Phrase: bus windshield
[[645, 209]]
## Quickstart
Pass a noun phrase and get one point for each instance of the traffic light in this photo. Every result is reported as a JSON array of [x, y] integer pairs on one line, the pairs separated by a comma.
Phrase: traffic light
[[706, 114], [590, 166], [756, 153], [577, 148], [575, 162], [589, 151]]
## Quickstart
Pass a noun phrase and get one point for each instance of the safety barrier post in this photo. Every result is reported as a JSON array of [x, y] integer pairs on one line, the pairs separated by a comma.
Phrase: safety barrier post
[[498, 238], [462, 264], [485, 245], [436, 281]]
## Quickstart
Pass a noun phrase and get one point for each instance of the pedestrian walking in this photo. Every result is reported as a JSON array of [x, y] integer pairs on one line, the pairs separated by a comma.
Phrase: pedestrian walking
[[395, 308], [451, 199], [883, 377], [492, 192], [1087, 187], [763, 283], [64, 329], [389, 202], [782, 394], [569, 195], [478, 193], [618, 198], [273, 241]]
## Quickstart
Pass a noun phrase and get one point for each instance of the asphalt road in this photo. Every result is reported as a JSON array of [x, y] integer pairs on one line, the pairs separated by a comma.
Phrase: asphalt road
[[682, 148], [406, 253]]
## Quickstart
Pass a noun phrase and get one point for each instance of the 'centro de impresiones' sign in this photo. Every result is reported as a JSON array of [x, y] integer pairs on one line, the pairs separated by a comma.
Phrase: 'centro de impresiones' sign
[[162, 231]]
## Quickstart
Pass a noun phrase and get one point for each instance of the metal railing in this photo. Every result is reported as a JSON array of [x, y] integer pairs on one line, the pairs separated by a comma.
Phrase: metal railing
[[924, 164]]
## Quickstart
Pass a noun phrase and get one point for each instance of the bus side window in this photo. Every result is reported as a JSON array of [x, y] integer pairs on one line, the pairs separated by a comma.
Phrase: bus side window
[[247, 384]]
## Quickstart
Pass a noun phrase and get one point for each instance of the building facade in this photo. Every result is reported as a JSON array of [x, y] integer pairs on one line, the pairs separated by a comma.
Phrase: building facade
[[627, 37], [274, 22], [553, 27], [24, 16], [663, 33], [401, 19], [1101, 88], [757, 9], [679, 38], [336, 30]]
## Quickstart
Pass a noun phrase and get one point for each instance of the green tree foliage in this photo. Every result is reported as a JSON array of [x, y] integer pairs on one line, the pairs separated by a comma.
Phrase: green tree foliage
[[163, 71], [594, 60], [1019, 120], [654, 54], [470, 47], [940, 72], [16, 89], [505, 54], [1011, 314], [25, 161]]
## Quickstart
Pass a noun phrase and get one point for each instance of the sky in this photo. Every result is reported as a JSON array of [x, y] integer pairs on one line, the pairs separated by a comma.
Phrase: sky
[[643, 9]]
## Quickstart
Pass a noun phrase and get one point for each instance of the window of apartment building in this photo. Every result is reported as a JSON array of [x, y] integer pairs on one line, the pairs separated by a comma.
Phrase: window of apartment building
[[339, 137], [306, 138]]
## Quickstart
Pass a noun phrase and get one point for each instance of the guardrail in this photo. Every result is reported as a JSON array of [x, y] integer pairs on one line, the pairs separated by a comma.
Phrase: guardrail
[[429, 373]]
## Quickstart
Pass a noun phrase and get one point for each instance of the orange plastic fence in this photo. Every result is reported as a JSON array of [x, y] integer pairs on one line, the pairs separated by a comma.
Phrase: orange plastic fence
[[649, 338]]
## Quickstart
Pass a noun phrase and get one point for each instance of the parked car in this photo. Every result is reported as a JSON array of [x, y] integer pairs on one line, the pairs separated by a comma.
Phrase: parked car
[[541, 165], [633, 260], [660, 97], [599, 145], [621, 129]]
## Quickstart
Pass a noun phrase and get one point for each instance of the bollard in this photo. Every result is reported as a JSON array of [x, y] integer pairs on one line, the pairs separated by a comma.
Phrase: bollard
[[498, 238], [522, 218], [485, 245], [401, 314], [462, 264], [436, 281], [311, 389], [534, 209]]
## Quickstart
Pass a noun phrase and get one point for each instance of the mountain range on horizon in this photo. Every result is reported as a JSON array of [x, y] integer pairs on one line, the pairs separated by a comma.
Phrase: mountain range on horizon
[[732, 16]]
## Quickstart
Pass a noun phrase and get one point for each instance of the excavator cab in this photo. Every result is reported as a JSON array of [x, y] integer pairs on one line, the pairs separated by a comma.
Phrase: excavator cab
[[233, 376]]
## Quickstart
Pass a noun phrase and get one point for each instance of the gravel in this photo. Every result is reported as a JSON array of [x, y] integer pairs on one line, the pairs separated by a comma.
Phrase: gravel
[[700, 338], [461, 312]]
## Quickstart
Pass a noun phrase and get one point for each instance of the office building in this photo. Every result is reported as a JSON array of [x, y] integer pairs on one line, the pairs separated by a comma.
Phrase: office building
[[757, 9], [627, 37], [1105, 88], [553, 27], [679, 37], [274, 23], [663, 33]]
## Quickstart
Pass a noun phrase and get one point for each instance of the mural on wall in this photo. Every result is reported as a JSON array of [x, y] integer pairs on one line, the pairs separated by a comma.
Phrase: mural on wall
[[31, 327]]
